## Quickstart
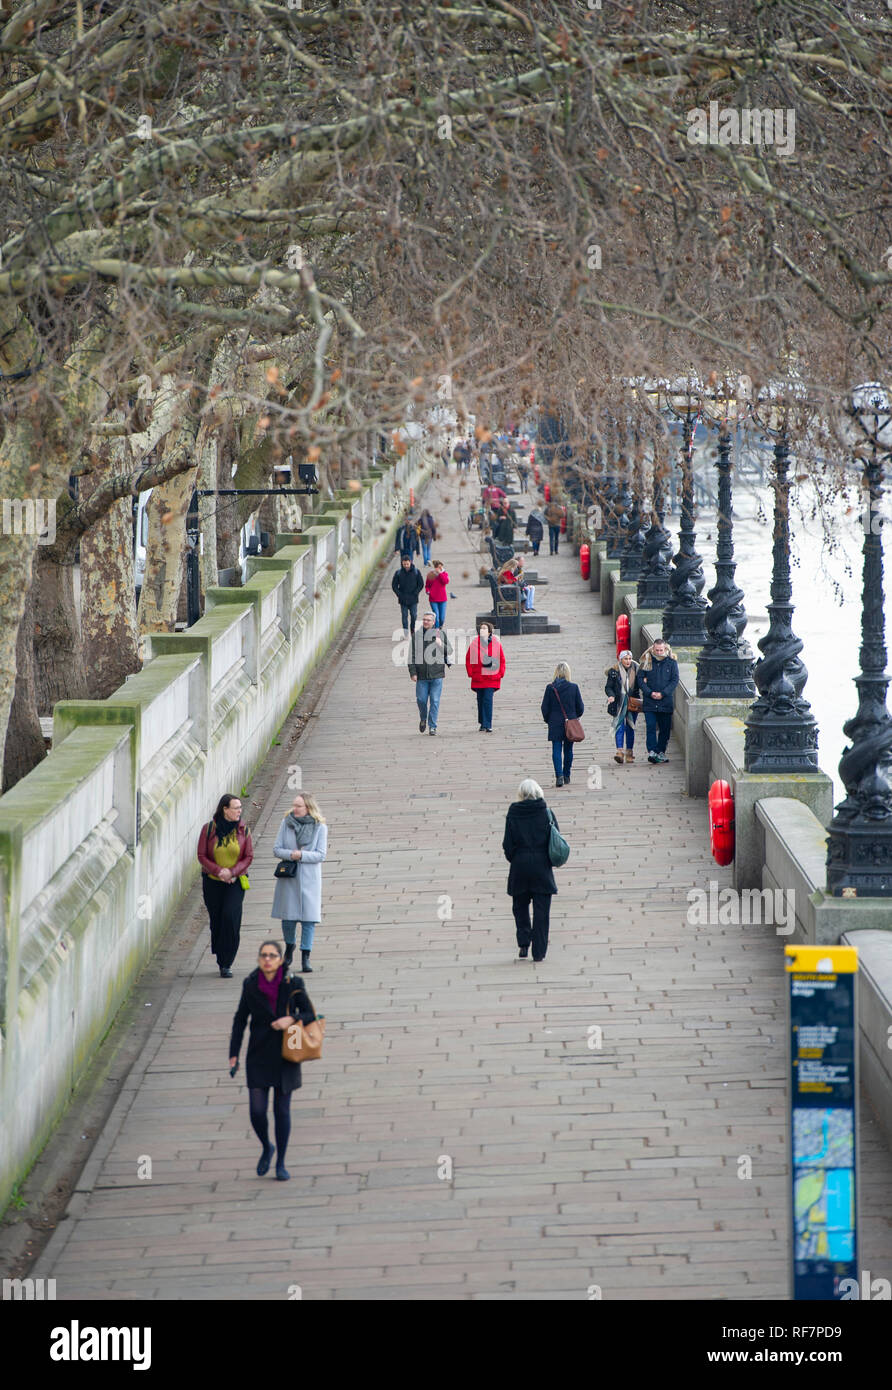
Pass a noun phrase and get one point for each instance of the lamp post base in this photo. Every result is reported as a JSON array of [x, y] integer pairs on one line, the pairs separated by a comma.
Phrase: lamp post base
[[780, 743], [685, 627], [859, 861], [726, 675]]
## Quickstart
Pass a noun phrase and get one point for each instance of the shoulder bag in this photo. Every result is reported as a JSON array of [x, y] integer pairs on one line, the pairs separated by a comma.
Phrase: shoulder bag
[[286, 868], [573, 730], [634, 704], [558, 849], [302, 1042]]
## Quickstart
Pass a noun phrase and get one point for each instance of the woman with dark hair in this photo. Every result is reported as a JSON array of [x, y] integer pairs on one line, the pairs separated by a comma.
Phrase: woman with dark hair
[[485, 664], [225, 853], [273, 1000]]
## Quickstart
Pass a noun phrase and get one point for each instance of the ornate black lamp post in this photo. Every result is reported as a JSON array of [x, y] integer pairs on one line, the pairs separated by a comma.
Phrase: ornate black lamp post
[[859, 845], [613, 495], [631, 561], [725, 664], [684, 613], [781, 732], [653, 586]]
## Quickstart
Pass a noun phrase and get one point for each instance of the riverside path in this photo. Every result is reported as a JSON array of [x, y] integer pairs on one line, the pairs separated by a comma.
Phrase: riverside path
[[480, 1127]]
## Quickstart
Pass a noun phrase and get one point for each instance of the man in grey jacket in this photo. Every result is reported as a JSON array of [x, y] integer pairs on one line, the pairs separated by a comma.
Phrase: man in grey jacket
[[430, 654]]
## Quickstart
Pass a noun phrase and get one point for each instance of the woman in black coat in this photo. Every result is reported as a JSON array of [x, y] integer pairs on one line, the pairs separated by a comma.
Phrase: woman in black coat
[[531, 877], [273, 1000], [561, 701]]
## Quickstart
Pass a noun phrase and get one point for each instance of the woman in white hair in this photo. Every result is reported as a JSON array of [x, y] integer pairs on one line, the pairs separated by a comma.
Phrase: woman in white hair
[[531, 877]]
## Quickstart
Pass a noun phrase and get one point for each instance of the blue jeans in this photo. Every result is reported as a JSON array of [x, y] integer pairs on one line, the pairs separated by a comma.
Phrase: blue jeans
[[439, 611], [659, 727], [307, 932], [429, 691], [409, 611], [558, 746], [554, 536], [625, 730], [426, 550], [484, 707]]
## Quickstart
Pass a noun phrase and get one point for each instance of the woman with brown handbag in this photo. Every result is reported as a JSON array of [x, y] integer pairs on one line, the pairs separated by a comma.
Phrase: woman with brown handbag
[[625, 703], [274, 1001], [562, 709]]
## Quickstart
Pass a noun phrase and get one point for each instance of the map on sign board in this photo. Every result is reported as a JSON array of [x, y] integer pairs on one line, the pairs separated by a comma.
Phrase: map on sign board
[[824, 1184]]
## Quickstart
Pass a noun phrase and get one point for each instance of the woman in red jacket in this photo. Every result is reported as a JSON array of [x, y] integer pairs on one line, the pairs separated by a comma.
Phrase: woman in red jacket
[[437, 587], [485, 664], [224, 853]]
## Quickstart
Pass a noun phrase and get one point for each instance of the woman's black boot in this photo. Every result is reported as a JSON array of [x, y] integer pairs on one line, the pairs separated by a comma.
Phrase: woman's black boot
[[306, 967], [289, 955]]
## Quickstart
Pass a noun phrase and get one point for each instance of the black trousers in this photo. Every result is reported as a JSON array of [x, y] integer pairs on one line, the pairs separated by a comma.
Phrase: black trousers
[[659, 727], [538, 932], [224, 904]]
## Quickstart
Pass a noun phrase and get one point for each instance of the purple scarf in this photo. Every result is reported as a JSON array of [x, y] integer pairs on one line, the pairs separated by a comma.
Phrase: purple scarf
[[270, 988]]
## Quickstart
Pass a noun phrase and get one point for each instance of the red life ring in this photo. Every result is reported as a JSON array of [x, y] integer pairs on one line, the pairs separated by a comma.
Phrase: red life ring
[[563, 521], [623, 633], [547, 492], [585, 561], [721, 822]]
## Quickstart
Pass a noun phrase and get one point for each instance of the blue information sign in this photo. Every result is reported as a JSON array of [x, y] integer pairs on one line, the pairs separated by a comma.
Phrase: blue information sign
[[823, 1118]]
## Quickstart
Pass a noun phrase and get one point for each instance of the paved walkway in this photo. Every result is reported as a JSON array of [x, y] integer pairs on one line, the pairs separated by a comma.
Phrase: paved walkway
[[571, 1165]]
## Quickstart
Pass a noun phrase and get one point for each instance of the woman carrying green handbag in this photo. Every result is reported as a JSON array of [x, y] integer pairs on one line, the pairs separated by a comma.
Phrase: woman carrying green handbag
[[225, 853], [532, 844]]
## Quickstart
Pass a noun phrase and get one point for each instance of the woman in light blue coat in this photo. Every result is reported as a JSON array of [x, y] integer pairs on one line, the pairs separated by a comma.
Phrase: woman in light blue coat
[[303, 837]]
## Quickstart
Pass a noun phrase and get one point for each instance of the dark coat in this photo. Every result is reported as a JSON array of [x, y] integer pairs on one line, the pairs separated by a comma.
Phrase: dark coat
[[407, 584], [534, 529], [264, 1064], [662, 676], [504, 533], [527, 830], [430, 652], [551, 710], [613, 685], [407, 542]]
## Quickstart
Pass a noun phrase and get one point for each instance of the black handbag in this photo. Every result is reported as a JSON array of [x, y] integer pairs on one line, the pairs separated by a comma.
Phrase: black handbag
[[286, 868]]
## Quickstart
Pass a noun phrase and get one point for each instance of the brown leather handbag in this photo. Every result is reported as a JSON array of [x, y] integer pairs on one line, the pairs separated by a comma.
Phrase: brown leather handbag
[[635, 704], [302, 1042], [573, 730]]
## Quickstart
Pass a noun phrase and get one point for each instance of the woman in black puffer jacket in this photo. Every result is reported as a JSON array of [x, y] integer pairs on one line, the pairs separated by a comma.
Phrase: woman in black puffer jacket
[[531, 877]]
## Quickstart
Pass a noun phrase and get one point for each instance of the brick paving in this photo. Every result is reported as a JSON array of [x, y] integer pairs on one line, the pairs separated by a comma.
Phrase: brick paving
[[462, 1138]]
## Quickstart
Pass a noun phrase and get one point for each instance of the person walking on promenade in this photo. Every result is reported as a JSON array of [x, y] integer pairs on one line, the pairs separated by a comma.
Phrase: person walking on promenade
[[535, 530], [436, 587], [407, 584], [431, 653], [657, 679], [485, 664], [273, 1000], [225, 853], [427, 533], [303, 841], [621, 686], [504, 532], [553, 515], [531, 876], [561, 701], [407, 540]]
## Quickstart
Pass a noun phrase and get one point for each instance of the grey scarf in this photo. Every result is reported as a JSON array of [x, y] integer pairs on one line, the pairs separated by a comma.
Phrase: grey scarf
[[304, 828]]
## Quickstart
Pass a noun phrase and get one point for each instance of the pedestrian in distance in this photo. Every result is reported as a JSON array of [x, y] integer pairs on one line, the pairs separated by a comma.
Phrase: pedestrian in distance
[[621, 686], [513, 574], [430, 655], [408, 541], [531, 876], [504, 531], [225, 853], [427, 534], [485, 664], [273, 1000], [535, 530], [657, 679], [436, 587], [407, 584], [303, 841], [554, 515], [561, 701]]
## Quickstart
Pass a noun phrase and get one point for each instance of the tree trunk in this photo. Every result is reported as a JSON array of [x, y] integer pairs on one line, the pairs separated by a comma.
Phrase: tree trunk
[[25, 747], [58, 652], [167, 508], [108, 592]]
